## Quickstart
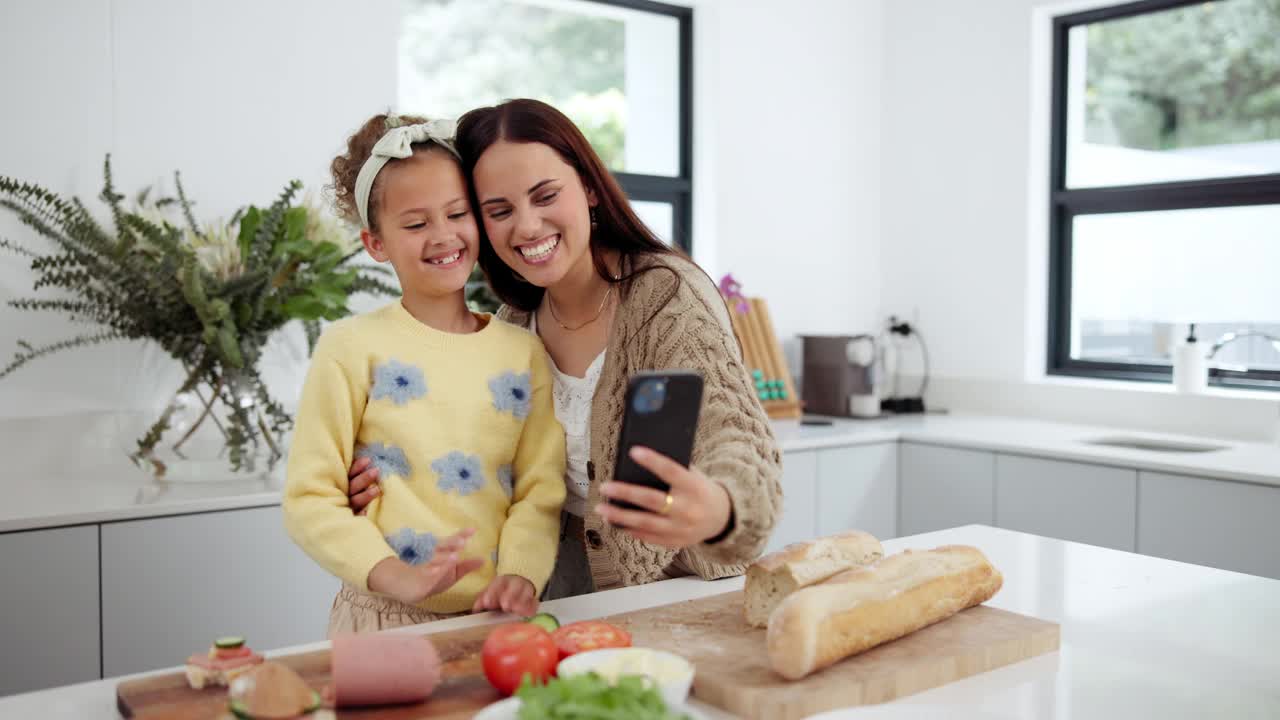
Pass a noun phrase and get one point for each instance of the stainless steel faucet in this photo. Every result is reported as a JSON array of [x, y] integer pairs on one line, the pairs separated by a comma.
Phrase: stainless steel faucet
[[1231, 337]]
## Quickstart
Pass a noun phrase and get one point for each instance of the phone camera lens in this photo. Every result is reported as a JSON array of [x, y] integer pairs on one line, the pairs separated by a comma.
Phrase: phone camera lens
[[650, 397]]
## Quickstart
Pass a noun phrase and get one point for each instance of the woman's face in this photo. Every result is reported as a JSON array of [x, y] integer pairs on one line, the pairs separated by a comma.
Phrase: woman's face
[[425, 226], [535, 210]]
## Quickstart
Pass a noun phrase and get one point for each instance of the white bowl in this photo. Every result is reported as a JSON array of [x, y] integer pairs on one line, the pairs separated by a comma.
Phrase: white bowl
[[509, 709], [501, 710], [673, 686]]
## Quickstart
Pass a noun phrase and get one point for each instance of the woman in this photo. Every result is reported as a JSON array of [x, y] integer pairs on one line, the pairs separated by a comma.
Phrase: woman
[[572, 262]]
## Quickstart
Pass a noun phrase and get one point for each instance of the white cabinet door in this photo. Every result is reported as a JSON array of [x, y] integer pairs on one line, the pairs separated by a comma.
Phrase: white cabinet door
[[1223, 524], [49, 594], [171, 585], [858, 490], [1067, 500], [942, 487], [799, 500]]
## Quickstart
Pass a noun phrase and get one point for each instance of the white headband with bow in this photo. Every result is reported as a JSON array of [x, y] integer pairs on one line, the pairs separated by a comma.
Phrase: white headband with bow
[[396, 144]]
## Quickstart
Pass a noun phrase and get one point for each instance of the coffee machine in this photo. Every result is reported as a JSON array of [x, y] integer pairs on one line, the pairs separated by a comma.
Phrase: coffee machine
[[842, 375]]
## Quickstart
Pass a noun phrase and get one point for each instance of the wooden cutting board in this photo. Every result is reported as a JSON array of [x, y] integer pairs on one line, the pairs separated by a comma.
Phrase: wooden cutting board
[[463, 689], [732, 667]]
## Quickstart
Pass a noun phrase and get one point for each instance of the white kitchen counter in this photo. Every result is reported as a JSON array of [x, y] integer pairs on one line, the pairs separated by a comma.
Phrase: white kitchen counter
[[74, 470], [1252, 462], [1141, 637]]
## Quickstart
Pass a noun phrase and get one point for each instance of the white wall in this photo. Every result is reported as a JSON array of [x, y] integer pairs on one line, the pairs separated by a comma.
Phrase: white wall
[[795, 91], [956, 88], [240, 95]]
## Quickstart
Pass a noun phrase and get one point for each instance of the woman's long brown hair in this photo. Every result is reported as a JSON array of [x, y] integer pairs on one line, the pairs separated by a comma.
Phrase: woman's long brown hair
[[530, 121]]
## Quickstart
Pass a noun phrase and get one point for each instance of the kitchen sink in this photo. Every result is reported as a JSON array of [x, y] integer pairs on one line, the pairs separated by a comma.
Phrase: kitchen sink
[[1153, 445]]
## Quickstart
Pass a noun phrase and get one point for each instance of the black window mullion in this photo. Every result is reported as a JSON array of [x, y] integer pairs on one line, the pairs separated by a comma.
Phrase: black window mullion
[[1058, 110], [1116, 12], [652, 183], [649, 6], [1215, 192], [1059, 290], [686, 94], [1059, 355]]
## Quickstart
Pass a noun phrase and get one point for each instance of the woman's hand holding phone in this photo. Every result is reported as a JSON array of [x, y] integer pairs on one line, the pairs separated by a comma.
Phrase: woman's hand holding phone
[[699, 508], [654, 494]]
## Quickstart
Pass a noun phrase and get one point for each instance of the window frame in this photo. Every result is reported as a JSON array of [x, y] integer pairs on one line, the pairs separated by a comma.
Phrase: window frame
[[676, 190], [1065, 204]]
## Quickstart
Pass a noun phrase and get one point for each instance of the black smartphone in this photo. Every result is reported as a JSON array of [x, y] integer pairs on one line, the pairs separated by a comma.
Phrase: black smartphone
[[661, 414]]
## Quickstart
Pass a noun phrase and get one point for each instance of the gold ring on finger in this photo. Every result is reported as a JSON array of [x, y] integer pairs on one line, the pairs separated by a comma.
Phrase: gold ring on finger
[[666, 508]]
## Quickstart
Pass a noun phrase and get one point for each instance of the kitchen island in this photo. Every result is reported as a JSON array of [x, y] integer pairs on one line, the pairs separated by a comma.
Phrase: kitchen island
[[1141, 637]]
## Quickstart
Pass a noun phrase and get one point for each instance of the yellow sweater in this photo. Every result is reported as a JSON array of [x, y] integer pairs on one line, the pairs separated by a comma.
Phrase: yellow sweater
[[463, 431]]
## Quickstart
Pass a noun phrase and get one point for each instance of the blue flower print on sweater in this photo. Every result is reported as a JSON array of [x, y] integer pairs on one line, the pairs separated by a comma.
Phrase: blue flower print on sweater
[[511, 393], [459, 473], [389, 459], [413, 548], [397, 382], [506, 480]]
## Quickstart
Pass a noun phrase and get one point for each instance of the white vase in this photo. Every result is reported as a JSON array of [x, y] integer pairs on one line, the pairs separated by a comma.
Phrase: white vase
[[194, 447]]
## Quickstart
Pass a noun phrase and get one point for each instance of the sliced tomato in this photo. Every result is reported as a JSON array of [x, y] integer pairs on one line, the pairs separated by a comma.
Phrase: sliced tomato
[[513, 651], [587, 635], [232, 653]]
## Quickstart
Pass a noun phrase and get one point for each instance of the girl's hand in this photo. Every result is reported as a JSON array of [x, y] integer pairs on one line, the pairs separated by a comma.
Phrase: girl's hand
[[412, 584], [362, 484], [697, 508], [508, 593]]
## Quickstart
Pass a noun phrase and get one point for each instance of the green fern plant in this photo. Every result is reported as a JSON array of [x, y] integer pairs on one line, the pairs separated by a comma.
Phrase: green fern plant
[[210, 297], [480, 297]]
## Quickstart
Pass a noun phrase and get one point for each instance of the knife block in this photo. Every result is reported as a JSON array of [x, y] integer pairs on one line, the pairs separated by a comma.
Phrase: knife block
[[763, 357]]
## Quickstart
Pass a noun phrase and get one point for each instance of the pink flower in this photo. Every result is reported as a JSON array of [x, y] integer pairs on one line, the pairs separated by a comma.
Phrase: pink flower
[[732, 291]]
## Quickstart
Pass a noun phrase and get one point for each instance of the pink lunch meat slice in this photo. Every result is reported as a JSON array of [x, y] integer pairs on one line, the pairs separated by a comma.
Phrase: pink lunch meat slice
[[209, 663]]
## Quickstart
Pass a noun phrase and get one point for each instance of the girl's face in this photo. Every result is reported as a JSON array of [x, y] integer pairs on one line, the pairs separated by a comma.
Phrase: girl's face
[[425, 225], [535, 209]]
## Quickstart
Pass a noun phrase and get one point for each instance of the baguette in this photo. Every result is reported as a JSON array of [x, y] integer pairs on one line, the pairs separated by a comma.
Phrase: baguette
[[862, 608], [775, 576]]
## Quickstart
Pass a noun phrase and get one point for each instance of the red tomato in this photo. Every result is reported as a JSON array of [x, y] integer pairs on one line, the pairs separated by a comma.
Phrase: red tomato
[[515, 650], [589, 635], [233, 653]]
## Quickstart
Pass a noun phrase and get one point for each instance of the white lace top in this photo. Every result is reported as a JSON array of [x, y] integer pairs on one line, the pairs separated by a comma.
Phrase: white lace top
[[572, 397]]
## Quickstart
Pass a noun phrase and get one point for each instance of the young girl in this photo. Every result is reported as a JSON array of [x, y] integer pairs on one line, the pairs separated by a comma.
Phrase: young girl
[[452, 407]]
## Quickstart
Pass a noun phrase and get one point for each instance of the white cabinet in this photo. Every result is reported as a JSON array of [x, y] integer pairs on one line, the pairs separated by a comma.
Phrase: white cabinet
[[942, 487], [1223, 524], [799, 499], [858, 490], [1067, 500], [49, 594], [171, 585]]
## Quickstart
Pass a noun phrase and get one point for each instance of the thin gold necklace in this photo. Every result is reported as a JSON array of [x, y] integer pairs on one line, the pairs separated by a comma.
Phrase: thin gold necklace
[[551, 305]]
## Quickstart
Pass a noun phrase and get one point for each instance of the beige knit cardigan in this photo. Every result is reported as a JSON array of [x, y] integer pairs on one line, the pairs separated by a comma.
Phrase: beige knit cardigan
[[670, 316]]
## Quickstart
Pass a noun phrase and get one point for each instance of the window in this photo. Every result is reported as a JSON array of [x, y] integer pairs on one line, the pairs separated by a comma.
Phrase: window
[[620, 69], [1165, 189]]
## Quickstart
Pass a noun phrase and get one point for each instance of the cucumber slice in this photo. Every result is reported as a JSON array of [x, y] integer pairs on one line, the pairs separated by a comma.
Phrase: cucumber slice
[[230, 642], [315, 703], [546, 621]]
